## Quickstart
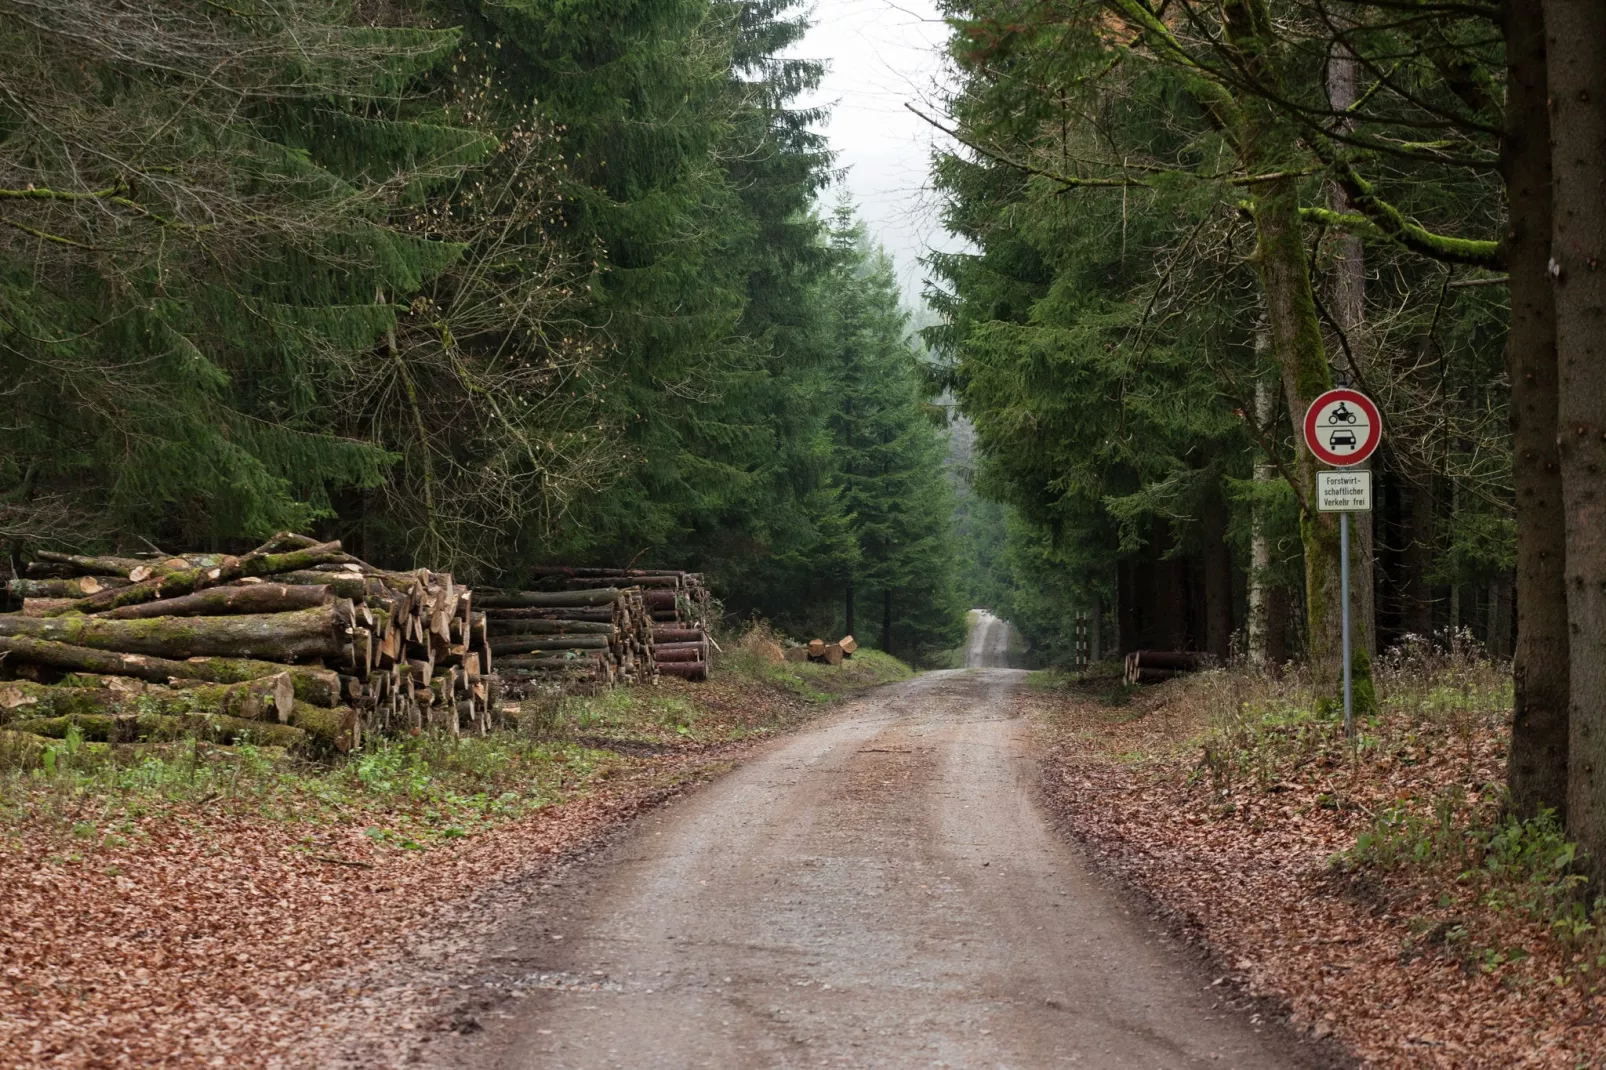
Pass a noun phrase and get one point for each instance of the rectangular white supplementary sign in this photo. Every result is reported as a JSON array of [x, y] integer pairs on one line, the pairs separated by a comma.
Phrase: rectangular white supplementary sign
[[1344, 492]]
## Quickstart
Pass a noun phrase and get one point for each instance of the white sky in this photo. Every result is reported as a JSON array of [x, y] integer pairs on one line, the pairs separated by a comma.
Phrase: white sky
[[882, 54]]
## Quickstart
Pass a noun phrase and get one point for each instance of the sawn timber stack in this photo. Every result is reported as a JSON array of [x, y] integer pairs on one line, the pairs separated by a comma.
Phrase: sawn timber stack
[[642, 623], [296, 644]]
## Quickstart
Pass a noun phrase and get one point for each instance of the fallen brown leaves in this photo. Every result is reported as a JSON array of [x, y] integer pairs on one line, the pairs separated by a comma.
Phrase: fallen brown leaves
[[199, 935], [212, 940], [1407, 967]]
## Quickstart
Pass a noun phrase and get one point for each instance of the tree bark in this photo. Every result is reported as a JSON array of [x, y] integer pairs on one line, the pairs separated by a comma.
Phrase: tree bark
[[499, 615], [153, 727], [1421, 518], [321, 687], [309, 633], [1259, 540], [1536, 767], [220, 601], [525, 644], [75, 587], [186, 581], [601, 596], [849, 620], [886, 620], [1217, 576], [269, 699], [1349, 315], [1575, 53], [678, 635], [553, 627], [1268, 144]]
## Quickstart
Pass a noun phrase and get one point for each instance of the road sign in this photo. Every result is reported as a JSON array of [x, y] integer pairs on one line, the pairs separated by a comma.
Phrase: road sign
[[1344, 492], [1343, 427]]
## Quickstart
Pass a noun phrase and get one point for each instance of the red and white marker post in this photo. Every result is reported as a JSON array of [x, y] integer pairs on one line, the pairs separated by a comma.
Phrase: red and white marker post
[[1343, 428]]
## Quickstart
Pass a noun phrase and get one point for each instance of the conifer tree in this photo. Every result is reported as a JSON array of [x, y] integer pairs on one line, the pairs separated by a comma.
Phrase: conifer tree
[[891, 458]]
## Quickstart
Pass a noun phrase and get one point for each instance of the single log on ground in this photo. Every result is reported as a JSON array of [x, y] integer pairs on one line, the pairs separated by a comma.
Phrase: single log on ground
[[833, 654], [661, 634], [309, 633], [601, 596], [21, 750], [690, 670], [319, 686], [816, 648], [700, 646], [603, 614], [796, 653], [110, 566], [46, 607], [337, 729], [523, 644], [352, 585], [548, 661], [151, 727], [186, 581], [669, 582], [848, 645], [256, 700], [220, 601], [76, 587], [551, 627]]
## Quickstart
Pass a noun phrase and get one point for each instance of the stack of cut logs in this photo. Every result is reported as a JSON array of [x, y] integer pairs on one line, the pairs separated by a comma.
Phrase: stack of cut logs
[[296, 643], [602, 625], [825, 653], [1152, 666]]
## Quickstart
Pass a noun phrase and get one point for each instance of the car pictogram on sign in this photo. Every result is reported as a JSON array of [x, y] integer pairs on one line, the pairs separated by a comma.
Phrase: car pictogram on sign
[[1342, 437]]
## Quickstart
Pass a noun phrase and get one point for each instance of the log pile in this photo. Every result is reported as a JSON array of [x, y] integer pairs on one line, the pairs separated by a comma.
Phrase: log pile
[[295, 644], [818, 650], [592, 635], [1152, 666], [660, 624]]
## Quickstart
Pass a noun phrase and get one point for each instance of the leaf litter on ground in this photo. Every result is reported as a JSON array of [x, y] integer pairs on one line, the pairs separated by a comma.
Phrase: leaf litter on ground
[[1372, 888], [227, 906]]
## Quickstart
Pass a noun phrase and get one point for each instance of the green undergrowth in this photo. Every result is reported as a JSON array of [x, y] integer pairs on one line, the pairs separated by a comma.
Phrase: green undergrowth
[[1418, 791], [411, 793], [414, 792]]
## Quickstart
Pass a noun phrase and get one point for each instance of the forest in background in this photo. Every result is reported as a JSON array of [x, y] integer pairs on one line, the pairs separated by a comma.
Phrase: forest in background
[[1186, 221], [472, 285]]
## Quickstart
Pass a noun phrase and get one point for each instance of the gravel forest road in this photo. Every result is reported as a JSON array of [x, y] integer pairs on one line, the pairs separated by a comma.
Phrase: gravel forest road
[[988, 647], [879, 890]]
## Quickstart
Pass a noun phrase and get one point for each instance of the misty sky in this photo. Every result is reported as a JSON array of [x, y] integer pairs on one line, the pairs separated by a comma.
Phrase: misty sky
[[882, 54]]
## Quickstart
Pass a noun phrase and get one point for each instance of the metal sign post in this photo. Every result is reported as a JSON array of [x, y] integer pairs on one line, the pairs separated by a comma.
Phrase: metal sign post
[[1343, 572], [1343, 428]]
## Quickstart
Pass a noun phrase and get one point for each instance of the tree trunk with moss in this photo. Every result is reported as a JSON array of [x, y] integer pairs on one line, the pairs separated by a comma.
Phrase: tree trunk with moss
[[1575, 54], [1268, 145], [309, 633], [1537, 763], [271, 698]]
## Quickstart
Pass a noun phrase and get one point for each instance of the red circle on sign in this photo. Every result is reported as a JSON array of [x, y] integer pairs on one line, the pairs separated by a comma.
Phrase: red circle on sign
[[1343, 427]]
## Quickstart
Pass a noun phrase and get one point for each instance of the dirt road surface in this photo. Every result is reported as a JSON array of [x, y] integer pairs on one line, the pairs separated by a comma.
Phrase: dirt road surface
[[880, 890], [989, 642]]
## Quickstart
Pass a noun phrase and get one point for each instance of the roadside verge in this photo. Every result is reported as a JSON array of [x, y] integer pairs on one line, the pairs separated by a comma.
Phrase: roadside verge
[[188, 904], [1371, 892]]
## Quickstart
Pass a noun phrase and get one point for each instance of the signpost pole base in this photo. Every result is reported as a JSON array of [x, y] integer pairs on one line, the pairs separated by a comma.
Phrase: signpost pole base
[[1343, 569]]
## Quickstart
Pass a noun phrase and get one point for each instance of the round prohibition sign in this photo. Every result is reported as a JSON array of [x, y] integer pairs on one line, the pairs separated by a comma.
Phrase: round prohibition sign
[[1343, 427]]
